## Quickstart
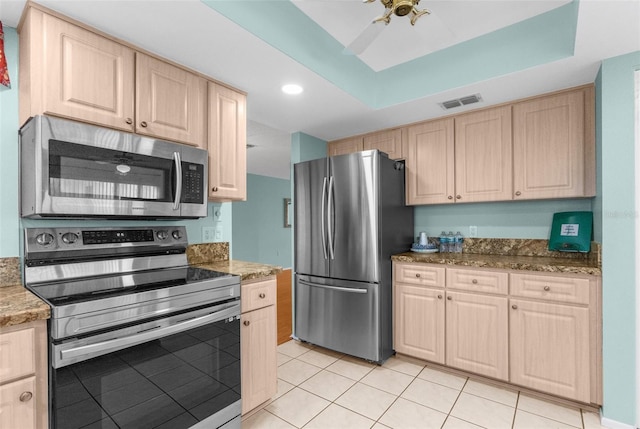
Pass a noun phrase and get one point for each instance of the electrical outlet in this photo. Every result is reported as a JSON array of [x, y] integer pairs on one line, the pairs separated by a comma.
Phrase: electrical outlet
[[473, 231], [218, 234], [208, 234]]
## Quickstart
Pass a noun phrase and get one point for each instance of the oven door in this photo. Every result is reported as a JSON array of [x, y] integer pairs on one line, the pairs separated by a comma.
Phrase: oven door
[[181, 371], [70, 169]]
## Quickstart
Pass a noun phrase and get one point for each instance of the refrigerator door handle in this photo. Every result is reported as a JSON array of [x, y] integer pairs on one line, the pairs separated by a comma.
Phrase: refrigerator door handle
[[330, 216], [322, 214], [337, 288]]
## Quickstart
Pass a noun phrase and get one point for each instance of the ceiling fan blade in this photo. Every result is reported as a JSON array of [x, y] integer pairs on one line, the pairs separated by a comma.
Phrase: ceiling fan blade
[[364, 39]]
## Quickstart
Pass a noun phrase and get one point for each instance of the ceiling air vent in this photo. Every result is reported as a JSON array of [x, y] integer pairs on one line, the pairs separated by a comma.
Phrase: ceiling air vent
[[462, 101]]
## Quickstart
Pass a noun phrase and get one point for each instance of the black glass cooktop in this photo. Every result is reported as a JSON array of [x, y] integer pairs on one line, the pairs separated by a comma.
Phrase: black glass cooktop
[[88, 289]]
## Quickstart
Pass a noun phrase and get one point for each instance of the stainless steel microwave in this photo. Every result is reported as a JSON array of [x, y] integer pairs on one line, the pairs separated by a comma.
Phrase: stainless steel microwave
[[74, 170]]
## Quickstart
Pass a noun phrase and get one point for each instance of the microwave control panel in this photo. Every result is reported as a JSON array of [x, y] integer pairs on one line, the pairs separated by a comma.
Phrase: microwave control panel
[[193, 183]]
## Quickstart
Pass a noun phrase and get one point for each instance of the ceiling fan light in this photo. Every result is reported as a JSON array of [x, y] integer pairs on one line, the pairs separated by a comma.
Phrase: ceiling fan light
[[403, 7], [292, 89]]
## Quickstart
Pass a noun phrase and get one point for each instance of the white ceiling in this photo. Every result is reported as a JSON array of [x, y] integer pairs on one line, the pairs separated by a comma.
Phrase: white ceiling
[[191, 33]]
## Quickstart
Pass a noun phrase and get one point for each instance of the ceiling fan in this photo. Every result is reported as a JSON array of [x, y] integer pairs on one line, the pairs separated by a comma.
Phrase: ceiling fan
[[392, 7]]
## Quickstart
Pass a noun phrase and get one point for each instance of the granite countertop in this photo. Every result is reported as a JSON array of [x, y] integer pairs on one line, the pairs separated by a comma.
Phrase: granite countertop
[[511, 262], [18, 305], [246, 270]]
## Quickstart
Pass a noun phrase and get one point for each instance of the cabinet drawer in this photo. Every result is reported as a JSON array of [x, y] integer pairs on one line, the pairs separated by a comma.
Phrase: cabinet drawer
[[551, 288], [17, 354], [478, 280], [419, 274], [257, 295]]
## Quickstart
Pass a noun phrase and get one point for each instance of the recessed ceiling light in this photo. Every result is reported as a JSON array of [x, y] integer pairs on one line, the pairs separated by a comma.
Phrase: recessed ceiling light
[[292, 89]]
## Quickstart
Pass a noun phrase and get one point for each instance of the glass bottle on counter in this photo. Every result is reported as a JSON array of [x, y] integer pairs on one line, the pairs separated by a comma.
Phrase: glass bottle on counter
[[451, 242]]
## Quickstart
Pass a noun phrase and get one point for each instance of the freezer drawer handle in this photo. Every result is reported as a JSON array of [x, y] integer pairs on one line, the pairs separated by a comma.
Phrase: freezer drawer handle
[[341, 289]]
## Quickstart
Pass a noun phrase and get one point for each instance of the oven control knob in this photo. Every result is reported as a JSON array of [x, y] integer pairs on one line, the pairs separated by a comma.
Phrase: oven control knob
[[69, 238], [162, 234], [44, 239], [177, 235]]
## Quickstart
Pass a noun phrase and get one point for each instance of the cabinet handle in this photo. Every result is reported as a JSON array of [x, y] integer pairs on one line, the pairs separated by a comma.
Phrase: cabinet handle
[[518, 193], [474, 281], [450, 197], [246, 323], [26, 396], [449, 298], [143, 124], [515, 307], [458, 197], [128, 121], [417, 275], [439, 296], [547, 288], [214, 189], [262, 296]]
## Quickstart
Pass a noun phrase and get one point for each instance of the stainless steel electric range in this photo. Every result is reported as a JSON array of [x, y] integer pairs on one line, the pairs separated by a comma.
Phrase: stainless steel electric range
[[137, 337]]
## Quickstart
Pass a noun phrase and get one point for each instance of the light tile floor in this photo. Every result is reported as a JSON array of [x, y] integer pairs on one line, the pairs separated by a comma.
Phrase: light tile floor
[[322, 389]]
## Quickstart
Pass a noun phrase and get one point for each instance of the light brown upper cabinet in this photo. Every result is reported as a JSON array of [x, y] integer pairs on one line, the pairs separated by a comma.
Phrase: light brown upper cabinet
[[429, 155], [553, 146], [345, 146], [70, 71], [388, 141], [483, 155], [171, 103], [227, 144]]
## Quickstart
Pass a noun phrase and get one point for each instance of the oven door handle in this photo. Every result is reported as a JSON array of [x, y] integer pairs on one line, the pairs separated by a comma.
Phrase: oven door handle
[[88, 351]]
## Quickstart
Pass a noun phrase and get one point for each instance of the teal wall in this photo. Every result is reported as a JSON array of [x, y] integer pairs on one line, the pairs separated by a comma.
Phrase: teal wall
[[512, 219], [259, 234], [10, 222], [617, 140], [9, 219]]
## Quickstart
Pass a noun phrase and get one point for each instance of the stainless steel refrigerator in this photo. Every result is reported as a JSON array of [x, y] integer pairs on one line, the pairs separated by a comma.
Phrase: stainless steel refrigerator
[[349, 218]]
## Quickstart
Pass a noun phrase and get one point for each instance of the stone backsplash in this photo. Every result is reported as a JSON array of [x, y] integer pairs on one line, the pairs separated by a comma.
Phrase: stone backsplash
[[10, 272], [523, 247], [207, 252]]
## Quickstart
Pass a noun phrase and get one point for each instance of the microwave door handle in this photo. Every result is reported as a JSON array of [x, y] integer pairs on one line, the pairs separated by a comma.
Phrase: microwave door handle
[[178, 170]]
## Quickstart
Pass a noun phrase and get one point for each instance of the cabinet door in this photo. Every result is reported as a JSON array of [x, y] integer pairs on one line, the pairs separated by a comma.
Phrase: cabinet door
[[429, 163], [548, 146], [345, 146], [549, 348], [483, 155], [227, 144], [258, 357], [85, 76], [419, 322], [477, 334], [170, 102], [17, 404], [389, 142]]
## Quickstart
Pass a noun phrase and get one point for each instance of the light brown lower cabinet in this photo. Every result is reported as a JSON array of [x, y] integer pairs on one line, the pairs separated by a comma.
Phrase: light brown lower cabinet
[[419, 322], [258, 343], [477, 334], [549, 347], [23, 376], [539, 331]]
